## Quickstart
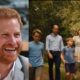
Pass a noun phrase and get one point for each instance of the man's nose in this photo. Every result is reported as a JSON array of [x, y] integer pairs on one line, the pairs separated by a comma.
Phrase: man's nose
[[12, 40]]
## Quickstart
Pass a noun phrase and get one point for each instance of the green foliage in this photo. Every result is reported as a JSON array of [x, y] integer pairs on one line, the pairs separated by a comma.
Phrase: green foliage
[[43, 14]]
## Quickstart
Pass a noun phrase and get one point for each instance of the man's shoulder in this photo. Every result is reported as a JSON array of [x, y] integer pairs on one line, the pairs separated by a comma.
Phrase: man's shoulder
[[49, 35], [24, 59], [59, 36], [25, 66], [22, 62]]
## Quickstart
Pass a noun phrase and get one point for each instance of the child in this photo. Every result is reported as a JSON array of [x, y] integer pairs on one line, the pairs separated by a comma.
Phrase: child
[[68, 58], [36, 48]]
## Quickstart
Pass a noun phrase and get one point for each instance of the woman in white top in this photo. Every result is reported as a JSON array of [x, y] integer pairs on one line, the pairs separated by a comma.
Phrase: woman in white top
[[77, 49]]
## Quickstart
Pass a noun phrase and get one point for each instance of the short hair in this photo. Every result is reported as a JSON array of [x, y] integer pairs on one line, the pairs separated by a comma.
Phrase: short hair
[[10, 13], [37, 31], [53, 26], [69, 39]]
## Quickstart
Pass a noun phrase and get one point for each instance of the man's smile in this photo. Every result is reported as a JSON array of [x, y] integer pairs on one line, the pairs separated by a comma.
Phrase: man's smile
[[10, 49]]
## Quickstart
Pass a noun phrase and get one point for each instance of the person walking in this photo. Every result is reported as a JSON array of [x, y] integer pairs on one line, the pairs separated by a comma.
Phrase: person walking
[[54, 46]]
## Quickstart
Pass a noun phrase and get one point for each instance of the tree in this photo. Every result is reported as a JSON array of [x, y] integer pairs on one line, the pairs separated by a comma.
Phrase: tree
[[43, 14]]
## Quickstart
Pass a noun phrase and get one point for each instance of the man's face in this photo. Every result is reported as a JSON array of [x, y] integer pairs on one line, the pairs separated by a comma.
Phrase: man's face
[[55, 29], [10, 40]]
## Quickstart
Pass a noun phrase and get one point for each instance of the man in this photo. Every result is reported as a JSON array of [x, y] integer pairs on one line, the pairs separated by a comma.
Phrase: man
[[12, 65], [54, 45]]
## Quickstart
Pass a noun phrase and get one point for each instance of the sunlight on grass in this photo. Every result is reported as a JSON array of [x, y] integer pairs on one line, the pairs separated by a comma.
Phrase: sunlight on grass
[[45, 73]]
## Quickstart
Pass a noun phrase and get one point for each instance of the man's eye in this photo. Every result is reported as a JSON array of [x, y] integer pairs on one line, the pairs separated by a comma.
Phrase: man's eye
[[4, 35], [17, 35]]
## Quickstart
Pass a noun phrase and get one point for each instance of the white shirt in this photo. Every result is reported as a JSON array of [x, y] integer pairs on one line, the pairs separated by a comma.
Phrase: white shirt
[[54, 43], [10, 74]]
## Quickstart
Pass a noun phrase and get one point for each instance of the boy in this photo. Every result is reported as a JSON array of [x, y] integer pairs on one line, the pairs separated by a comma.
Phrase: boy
[[36, 48], [68, 58]]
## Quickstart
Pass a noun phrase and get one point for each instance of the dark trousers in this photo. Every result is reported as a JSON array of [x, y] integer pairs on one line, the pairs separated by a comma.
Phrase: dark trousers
[[57, 61]]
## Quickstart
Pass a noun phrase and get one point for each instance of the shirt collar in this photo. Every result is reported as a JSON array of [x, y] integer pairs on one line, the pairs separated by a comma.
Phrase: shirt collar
[[10, 73], [17, 64], [54, 35]]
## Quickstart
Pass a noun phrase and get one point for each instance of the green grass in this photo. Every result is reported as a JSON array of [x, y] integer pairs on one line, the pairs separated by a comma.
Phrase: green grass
[[45, 72]]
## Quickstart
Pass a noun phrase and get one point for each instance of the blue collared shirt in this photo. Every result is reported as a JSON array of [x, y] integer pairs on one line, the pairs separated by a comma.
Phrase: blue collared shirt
[[69, 54], [36, 53], [54, 43]]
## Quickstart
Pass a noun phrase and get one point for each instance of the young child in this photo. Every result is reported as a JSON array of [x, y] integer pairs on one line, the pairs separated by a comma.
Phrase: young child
[[36, 48], [68, 58]]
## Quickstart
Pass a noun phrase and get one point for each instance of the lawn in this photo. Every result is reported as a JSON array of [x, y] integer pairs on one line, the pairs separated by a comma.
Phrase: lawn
[[45, 73]]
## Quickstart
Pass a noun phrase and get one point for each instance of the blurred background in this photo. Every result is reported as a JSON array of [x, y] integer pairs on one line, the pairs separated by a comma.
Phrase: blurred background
[[65, 13]]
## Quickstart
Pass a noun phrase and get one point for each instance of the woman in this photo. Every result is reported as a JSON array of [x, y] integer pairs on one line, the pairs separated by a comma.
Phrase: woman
[[77, 49]]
